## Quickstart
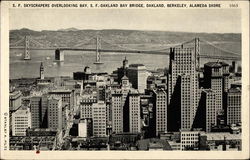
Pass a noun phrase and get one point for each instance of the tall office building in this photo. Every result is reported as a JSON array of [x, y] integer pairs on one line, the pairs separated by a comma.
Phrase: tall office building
[[233, 106], [134, 112], [54, 113], [21, 121], [67, 96], [183, 91], [38, 108], [99, 119], [216, 78], [86, 105], [118, 99], [206, 115], [160, 111], [137, 75]]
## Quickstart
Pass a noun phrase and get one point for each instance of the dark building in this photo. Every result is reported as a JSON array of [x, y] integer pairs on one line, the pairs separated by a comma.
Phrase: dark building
[[122, 71], [82, 75], [39, 109], [206, 114]]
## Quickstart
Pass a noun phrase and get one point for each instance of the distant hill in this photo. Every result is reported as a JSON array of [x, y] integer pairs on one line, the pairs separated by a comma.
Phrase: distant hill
[[136, 38]]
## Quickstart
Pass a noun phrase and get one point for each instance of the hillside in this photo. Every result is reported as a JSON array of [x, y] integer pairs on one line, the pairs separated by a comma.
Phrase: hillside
[[127, 38]]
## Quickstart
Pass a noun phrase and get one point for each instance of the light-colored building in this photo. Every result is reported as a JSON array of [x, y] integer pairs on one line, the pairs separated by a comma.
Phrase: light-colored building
[[182, 87], [21, 120], [66, 95], [216, 77], [117, 112], [118, 99], [99, 119], [233, 106], [86, 103], [82, 128], [189, 139], [54, 113], [134, 112], [137, 75], [221, 141], [160, 110]]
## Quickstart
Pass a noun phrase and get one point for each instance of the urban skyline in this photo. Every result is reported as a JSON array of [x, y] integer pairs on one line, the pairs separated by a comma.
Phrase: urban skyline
[[184, 107]]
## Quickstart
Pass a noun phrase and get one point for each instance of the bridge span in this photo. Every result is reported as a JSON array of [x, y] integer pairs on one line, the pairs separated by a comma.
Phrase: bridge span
[[59, 51]]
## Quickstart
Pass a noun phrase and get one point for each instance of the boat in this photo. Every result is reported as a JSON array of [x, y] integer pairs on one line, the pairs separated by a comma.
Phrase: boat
[[19, 54]]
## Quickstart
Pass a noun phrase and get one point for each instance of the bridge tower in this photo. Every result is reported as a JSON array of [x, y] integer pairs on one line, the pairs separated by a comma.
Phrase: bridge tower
[[59, 55], [26, 48], [98, 55], [197, 52], [41, 71]]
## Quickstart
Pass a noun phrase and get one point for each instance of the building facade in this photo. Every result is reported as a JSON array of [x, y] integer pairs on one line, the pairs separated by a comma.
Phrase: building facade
[[183, 86], [189, 140], [134, 112], [54, 113], [15, 100], [160, 110], [21, 121], [137, 75], [233, 106], [38, 108], [99, 119]]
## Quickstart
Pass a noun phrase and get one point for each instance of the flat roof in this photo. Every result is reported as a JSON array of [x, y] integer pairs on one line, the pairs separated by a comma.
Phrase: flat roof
[[222, 136]]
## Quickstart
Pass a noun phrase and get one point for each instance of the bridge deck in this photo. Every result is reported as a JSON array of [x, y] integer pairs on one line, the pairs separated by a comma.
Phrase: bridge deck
[[132, 51]]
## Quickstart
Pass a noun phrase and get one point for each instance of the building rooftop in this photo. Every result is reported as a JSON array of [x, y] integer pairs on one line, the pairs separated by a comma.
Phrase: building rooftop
[[124, 78], [135, 65], [222, 136], [60, 91], [216, 64], [213, 64], [21, 112], [145, 144], [234, 90]]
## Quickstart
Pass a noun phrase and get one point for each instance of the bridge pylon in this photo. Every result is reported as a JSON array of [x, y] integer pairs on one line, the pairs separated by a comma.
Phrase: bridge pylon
[[98, 55], [59, 55], [197, 52], [26, 48]]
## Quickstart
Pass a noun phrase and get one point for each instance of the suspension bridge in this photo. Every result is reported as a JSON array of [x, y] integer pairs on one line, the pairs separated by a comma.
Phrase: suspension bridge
[[95, 44]]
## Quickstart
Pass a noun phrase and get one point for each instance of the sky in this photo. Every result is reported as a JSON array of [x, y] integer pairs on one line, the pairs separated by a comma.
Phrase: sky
[[190, 20]]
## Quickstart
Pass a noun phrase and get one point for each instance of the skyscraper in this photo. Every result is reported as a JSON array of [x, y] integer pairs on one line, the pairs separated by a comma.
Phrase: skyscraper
[[38, 108], [182, 88], [134, 112], [160, 110], [99, 119], [54, 113], [117, 112], [137, 75], [216, 78], [233, 106], [206, 115], [67, 96], [118, 101]]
